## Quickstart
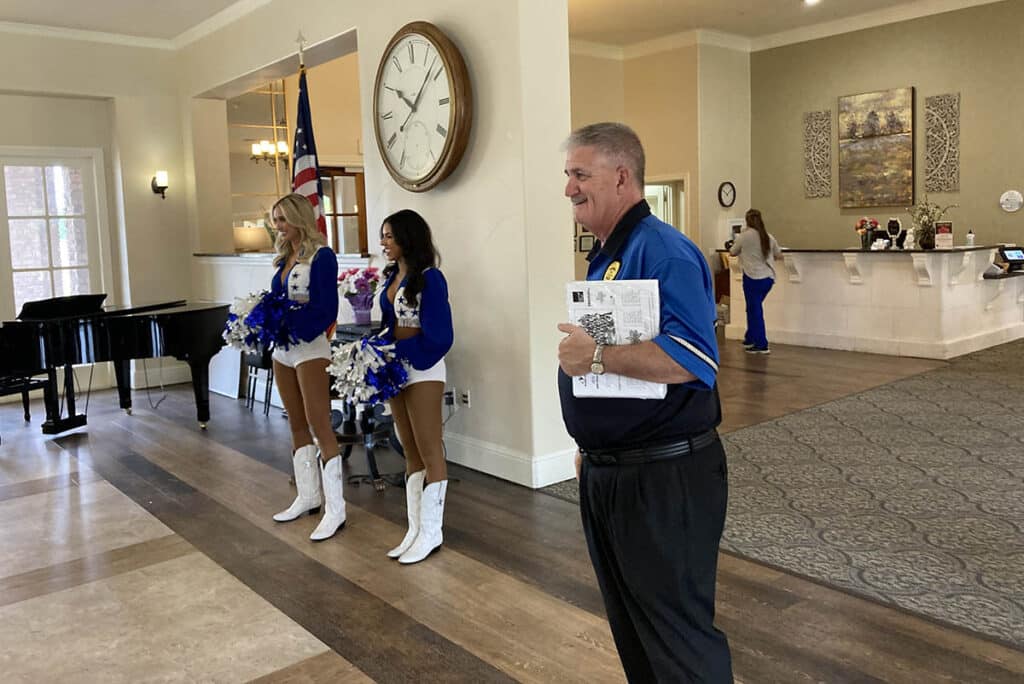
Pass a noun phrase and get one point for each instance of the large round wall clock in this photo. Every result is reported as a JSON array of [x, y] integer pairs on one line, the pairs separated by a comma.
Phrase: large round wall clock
[[422, 106]]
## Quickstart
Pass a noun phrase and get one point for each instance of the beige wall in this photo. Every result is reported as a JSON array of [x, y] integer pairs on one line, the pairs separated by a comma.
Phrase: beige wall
[[507, 192], [661, 105], [978, 52], [597, 89], [724, 140], [333, 98]]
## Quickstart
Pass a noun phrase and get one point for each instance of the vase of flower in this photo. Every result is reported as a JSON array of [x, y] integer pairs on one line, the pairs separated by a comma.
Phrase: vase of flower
[[866, 228], [926, 236], [924, 216], [359, 286]]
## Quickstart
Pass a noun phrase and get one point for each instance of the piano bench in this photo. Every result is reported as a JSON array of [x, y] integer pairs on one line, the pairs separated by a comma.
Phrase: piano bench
[[21, 385]]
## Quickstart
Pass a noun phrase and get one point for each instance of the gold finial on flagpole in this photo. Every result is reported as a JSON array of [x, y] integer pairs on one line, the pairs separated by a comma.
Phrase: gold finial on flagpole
[[301, 40]]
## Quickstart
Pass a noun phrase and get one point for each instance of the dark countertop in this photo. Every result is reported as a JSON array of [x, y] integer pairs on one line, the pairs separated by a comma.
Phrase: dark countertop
[[1000, 276]]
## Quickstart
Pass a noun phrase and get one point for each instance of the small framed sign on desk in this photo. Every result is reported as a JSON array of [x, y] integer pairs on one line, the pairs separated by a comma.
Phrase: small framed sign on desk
[[943, 235]]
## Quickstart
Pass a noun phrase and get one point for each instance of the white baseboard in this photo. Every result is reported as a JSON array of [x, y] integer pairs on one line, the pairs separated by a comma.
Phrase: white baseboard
[[509, 464], [916, 348]]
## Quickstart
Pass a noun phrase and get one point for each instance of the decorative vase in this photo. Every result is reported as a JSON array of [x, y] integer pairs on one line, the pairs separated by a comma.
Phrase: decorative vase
[[865, 240], [362, 304], [926, 237]]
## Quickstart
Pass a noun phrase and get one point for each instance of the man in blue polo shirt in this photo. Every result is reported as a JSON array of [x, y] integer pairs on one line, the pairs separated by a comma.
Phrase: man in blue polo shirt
[[652, 473]]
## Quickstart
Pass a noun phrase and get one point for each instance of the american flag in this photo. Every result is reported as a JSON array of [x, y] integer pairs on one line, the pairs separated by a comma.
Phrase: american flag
[[305, 175]]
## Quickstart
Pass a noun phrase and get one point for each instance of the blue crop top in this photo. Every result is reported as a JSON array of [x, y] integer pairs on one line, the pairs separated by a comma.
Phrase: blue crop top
[[431, 314], [314, 287]]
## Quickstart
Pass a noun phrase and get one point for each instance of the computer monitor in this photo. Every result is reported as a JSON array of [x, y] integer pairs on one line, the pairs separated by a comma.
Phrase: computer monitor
[[1013, 256]]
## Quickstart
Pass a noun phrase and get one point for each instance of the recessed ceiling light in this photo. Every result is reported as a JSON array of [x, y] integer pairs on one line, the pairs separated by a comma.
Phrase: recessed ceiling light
[[811, 2]]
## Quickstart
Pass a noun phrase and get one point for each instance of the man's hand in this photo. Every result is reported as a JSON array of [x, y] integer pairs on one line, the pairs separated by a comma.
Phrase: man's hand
[[575, 352], [579, 463]]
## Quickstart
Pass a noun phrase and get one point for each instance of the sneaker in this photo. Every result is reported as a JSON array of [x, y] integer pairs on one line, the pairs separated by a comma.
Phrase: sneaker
[[748, 345], [757, 350]]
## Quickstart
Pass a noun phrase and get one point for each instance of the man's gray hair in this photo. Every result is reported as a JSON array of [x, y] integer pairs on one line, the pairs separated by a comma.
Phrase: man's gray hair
[[615, 140]]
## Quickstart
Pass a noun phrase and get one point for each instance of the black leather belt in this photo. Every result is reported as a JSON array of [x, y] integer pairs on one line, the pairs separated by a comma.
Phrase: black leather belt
[[657, 452]]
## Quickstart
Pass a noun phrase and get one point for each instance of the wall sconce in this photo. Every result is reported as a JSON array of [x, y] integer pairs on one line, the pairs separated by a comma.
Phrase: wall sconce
[[159, 183], [264, 150]]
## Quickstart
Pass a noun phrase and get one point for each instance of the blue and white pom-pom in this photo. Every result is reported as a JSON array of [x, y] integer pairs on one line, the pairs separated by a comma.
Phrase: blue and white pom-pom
[[257, 321], [236, 332], [367, 372]]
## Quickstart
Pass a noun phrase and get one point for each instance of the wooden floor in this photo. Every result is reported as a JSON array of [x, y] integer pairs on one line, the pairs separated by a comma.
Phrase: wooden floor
[[142, 548]]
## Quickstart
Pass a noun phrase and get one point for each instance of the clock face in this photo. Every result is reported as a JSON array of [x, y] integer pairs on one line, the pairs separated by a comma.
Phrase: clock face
[[420, 111], [726, 194]]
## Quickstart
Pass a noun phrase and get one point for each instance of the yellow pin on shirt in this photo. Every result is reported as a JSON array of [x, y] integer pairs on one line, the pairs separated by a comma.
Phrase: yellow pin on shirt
[[612, 270]]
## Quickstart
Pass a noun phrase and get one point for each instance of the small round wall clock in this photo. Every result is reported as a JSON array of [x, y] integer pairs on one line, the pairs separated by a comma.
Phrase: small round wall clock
[[422, 106], [1011, 200], [727, 194]]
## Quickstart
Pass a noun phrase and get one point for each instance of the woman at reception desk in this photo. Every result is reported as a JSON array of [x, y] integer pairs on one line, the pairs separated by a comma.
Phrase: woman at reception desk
[[933, 304]]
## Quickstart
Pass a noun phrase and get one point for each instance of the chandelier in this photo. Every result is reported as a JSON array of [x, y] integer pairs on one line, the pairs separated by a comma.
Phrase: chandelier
[[264, 150]]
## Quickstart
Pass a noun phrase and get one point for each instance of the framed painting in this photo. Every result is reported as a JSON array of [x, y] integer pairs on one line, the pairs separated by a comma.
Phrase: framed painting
[[876, 149]]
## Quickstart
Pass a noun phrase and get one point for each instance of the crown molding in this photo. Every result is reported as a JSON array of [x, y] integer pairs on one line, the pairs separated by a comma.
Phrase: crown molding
[[218, 21], [658, 45], [663, 44], [586, 48], [892, 15], [729, 41], [88, 36]]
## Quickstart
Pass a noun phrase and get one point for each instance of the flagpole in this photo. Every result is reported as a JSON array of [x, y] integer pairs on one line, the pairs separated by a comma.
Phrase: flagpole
[[301, 40]]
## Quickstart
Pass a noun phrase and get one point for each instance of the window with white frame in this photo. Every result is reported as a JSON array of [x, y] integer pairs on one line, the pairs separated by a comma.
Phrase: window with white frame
[[50, 214]]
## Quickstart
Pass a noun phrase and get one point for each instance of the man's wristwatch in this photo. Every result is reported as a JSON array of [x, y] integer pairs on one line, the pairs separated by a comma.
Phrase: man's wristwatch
[[597, 364]]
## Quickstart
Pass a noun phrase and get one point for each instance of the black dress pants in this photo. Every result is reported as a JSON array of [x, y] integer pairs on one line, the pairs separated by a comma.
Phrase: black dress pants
[[653, 531]]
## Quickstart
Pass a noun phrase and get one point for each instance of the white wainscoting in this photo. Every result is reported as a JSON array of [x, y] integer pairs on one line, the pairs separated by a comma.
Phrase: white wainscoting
[[932, 305]]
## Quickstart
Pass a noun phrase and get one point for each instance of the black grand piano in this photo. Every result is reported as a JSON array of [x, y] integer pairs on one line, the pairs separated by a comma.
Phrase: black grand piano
[[54, 333]]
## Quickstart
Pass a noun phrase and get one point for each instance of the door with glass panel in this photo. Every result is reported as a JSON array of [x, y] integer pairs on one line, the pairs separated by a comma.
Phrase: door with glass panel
[[345, 210], [51, 242]]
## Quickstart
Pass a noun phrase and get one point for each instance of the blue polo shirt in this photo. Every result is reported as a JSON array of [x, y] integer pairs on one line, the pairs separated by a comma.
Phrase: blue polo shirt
[[642, 247]]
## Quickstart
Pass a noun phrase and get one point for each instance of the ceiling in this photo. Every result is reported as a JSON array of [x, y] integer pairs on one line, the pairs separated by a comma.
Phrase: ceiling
[[610, 22], [614, 22], [139, 18]]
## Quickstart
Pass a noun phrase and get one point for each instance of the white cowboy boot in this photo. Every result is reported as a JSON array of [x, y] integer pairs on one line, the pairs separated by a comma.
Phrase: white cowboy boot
[[431, 513], [413, 494], [307, 483], [334, 510]]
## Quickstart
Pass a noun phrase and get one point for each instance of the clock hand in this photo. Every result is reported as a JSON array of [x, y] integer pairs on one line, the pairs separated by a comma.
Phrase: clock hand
[[419, 94], [404, 99]]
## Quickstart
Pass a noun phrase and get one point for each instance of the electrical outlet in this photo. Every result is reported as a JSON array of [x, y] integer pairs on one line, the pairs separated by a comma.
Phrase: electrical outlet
[[464, 399], [449, 397]]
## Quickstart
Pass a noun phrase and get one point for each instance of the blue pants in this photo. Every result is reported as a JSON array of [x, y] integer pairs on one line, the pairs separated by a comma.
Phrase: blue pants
[[755, 291]]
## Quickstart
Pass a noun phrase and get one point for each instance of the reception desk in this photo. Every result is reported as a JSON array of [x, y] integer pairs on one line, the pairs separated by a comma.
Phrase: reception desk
[[933, 304]]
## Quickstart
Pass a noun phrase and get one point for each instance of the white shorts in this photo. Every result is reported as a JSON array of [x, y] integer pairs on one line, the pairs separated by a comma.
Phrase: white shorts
[[435, 373], [299, 353]]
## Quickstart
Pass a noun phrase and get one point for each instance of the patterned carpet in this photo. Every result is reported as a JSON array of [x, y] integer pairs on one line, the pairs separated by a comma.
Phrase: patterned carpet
[[911, 493]]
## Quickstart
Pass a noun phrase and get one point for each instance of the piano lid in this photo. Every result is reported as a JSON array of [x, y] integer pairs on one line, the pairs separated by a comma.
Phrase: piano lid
[[86, 306]]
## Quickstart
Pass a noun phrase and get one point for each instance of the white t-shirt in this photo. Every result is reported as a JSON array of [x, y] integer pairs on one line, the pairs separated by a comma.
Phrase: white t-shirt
[[752, 259]]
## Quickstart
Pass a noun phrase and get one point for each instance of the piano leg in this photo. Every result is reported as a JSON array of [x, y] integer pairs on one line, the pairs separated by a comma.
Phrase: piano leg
[[124, 390], [54, 423], [201, 388]]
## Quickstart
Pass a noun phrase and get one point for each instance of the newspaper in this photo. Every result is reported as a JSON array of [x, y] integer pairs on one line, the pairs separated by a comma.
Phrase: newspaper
[[616, 312]]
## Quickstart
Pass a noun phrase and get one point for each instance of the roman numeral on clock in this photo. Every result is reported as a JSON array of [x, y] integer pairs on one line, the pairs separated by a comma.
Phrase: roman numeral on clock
[[398, 64], [440, 129], [391, 140], [443, 101]]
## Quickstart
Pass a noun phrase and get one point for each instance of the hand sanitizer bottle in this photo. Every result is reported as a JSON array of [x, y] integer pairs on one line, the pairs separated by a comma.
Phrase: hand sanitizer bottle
[[970, 238]]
